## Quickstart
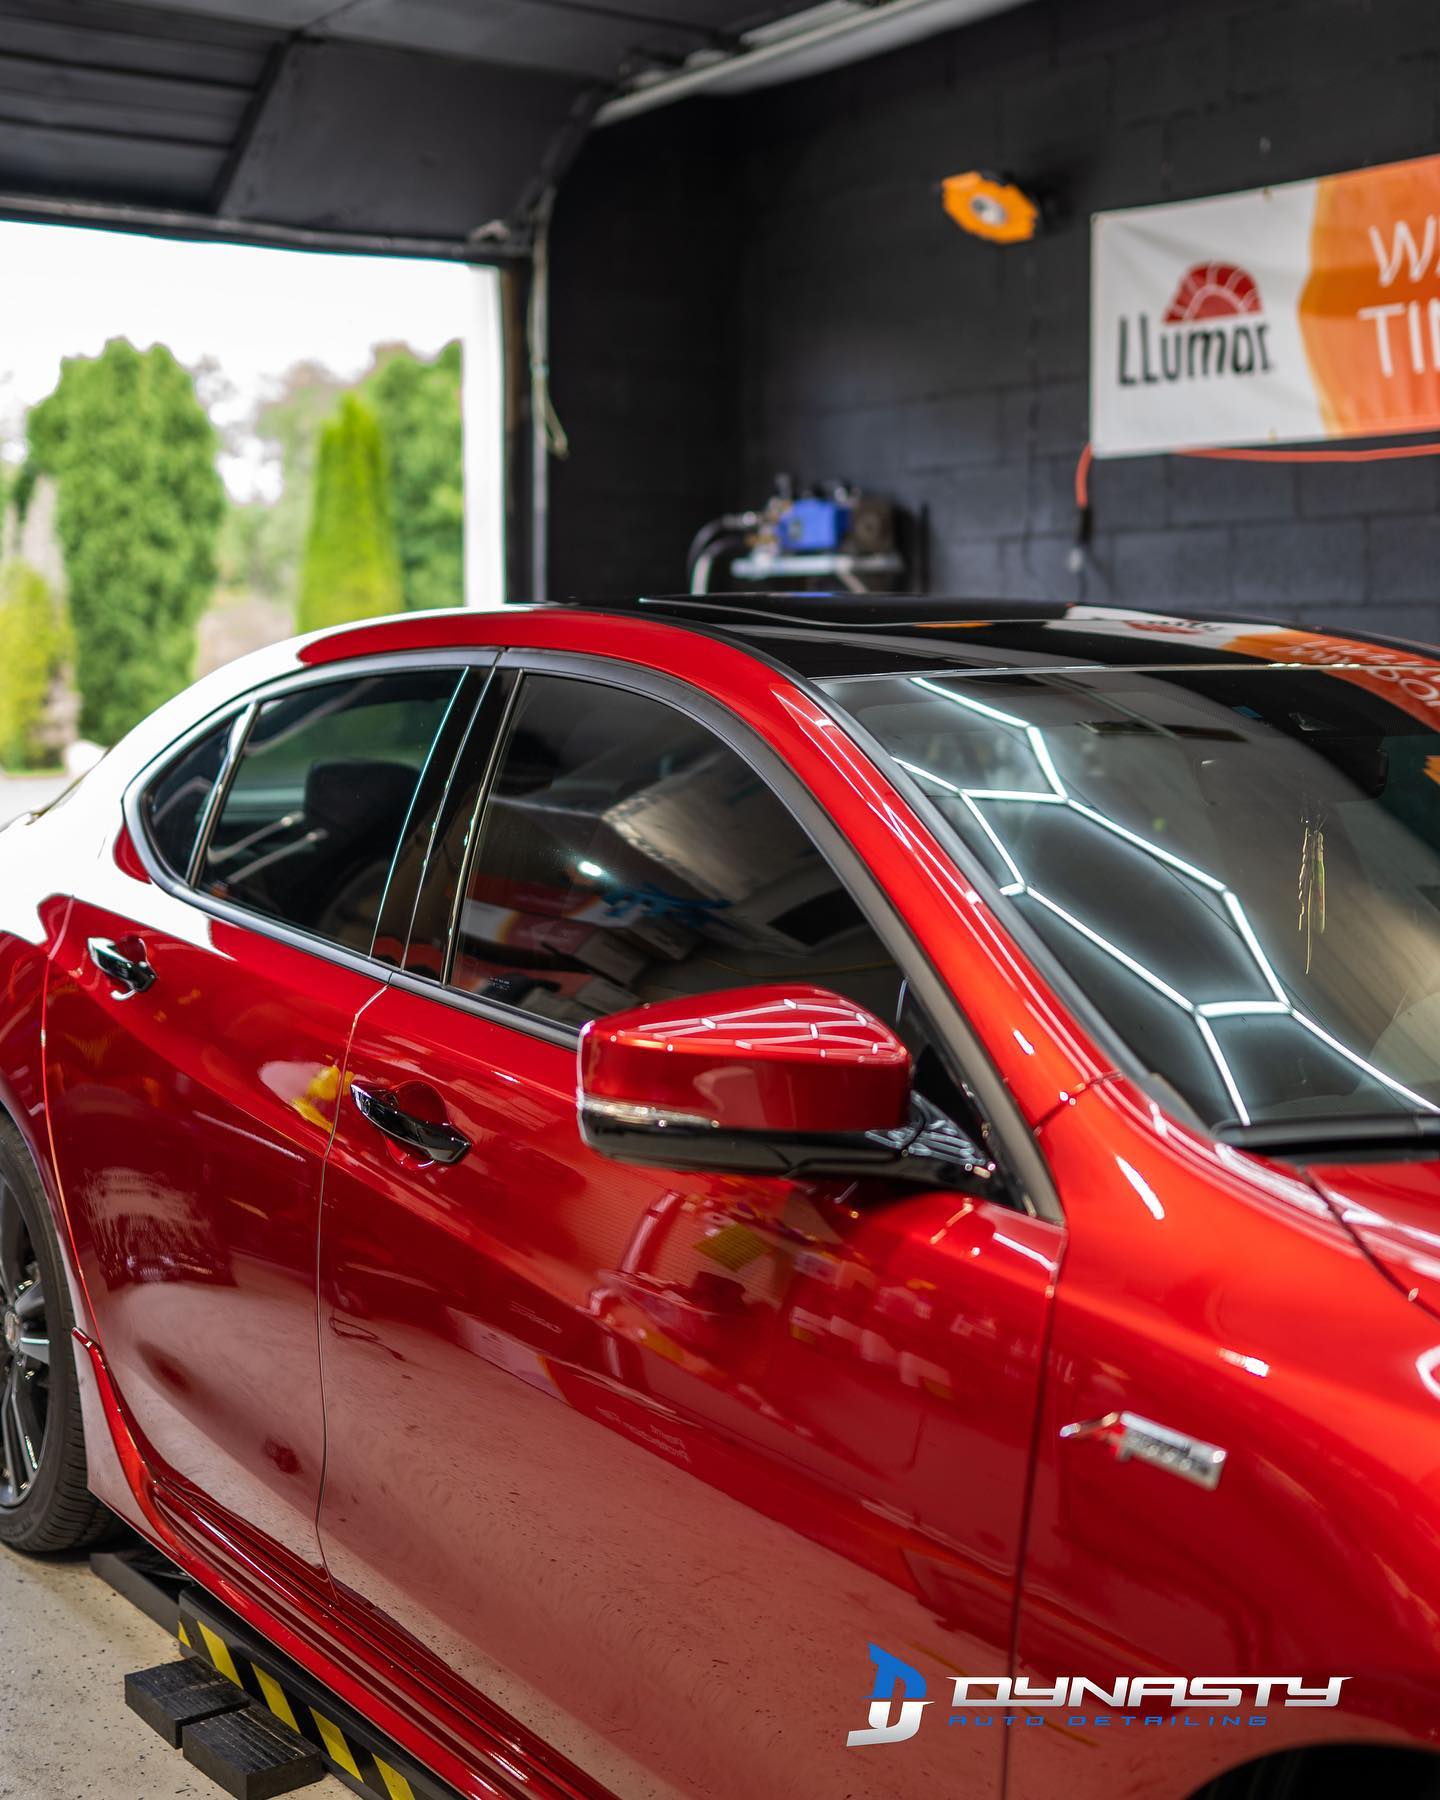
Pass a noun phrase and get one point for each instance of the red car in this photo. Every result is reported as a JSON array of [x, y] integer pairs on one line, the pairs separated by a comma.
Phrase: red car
[[763, 1197]]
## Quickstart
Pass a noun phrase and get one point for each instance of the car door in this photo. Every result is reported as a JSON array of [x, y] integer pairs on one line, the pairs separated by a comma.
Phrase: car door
[[679, 1472], [198, 1010]]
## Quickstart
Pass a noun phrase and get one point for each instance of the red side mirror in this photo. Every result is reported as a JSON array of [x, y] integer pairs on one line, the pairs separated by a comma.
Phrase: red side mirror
[[767, 1081], [769, 1060]]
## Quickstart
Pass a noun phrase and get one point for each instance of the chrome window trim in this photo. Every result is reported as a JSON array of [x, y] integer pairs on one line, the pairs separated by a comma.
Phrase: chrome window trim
[[243, 707], [1037, 1192]]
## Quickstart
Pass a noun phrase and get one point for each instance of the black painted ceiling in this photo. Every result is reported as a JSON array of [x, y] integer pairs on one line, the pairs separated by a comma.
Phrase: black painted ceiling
[[405, 119]]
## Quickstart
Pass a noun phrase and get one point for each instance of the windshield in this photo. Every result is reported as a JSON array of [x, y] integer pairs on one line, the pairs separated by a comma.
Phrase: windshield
[[1239, 867]]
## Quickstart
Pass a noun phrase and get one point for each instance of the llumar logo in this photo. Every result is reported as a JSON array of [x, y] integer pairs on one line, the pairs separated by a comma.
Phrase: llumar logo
[[1212, 291], [898, 1700], [1212, 327]]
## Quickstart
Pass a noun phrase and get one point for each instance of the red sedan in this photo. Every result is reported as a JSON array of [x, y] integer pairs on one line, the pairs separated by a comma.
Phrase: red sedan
[[760, 1197]]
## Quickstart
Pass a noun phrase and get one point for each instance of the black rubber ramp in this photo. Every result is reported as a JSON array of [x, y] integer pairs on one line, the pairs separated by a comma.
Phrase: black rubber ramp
[[176, 1694], [251, 1755]]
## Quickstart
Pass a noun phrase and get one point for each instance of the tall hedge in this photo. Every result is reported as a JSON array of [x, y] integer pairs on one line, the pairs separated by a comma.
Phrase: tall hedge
[[34, 643], [139, 510], [351, 569], [418, 406]]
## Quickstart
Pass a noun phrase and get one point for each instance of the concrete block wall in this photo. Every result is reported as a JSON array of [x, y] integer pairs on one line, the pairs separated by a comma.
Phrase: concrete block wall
[[875, 342], [644, 354]]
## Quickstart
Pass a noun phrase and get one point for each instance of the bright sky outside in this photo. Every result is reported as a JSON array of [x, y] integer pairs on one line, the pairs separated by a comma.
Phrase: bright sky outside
[[64, 291]]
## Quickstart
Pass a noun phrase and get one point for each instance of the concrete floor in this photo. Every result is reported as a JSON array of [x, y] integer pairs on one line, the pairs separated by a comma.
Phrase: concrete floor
[[66, 1644]]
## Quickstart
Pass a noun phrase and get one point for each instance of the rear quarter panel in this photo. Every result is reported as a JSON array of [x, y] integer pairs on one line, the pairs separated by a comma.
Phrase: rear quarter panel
[[45, 859], [33, 911]]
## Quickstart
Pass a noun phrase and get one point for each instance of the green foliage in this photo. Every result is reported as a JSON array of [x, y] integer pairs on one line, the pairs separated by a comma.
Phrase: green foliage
[[34, 643], [248, 554], [418, 405], [266, 551], [22, 489], [351, 570], [140, 504]]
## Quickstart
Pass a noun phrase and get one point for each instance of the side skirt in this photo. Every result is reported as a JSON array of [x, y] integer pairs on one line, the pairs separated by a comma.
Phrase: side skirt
[[406, 1697]]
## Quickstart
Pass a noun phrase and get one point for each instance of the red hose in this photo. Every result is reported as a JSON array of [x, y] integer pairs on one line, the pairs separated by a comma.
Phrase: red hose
[[1386, 453]]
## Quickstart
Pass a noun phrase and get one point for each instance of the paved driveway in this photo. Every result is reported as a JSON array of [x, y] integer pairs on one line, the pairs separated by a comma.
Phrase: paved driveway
[[23, 793]]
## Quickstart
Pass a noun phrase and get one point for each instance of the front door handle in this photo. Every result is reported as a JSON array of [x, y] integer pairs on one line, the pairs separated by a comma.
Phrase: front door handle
[[131, 974], [435, 1141]]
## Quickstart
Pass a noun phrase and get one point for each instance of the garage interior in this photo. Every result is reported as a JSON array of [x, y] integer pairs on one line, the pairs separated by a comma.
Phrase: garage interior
[[750, 271], [725, 264]]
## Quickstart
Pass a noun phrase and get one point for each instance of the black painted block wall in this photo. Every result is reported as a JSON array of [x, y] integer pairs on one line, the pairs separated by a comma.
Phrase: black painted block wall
[[645, 356], [769, 283]]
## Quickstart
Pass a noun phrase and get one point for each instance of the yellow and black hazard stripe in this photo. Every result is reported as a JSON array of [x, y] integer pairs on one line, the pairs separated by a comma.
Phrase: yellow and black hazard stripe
[[353, 1751]]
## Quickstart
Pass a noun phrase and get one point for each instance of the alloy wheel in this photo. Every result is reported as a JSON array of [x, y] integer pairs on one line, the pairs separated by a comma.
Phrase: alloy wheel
[[24, 1353]]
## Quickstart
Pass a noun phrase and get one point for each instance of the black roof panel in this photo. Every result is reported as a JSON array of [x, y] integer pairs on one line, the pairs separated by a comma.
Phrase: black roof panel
[[829, 636]]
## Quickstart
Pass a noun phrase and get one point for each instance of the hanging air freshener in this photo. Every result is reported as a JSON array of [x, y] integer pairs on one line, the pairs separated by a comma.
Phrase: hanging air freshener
[[1312, 882]]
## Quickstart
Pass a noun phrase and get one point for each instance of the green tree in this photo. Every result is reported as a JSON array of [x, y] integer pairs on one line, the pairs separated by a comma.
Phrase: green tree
[[245, 555], [139, 509], [34, 643], [351, 570], [418, 405], [288, 423]]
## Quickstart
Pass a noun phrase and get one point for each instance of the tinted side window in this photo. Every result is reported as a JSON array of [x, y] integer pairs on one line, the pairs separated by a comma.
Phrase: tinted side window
[[175, 804], [626, 854], [319, 797]]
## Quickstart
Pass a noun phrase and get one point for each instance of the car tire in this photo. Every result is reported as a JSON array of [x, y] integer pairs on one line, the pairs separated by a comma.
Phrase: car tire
[[45, 1503]]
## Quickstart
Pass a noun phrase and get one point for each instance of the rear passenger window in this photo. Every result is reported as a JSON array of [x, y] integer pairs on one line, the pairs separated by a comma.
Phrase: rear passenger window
[[626, 854], [318, 800], [175, 804]]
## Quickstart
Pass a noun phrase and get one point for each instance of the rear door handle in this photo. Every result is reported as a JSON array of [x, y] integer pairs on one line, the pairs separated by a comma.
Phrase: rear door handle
[[131, 974], [435, 1141]]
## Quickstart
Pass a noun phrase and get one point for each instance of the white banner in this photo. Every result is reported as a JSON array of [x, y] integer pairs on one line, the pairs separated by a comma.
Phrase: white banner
[[1281, 314]]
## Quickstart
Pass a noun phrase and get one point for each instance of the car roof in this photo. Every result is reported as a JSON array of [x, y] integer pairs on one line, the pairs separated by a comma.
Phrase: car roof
[[835, 635]]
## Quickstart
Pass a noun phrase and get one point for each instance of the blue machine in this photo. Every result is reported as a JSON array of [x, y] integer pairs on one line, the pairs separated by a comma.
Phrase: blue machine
[[812, 525], [835, 533]]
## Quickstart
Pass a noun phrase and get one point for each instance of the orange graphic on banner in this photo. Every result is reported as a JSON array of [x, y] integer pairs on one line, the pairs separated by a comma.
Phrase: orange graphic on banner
[[1370, 308]]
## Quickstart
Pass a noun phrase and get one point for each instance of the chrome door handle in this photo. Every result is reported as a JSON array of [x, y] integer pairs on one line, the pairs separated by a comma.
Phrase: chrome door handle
[[434, 1141], [131, 974], [1127, 1434]]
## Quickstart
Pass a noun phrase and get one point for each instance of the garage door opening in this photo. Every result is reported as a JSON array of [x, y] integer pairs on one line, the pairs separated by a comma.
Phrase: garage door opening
[[209, 446]]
